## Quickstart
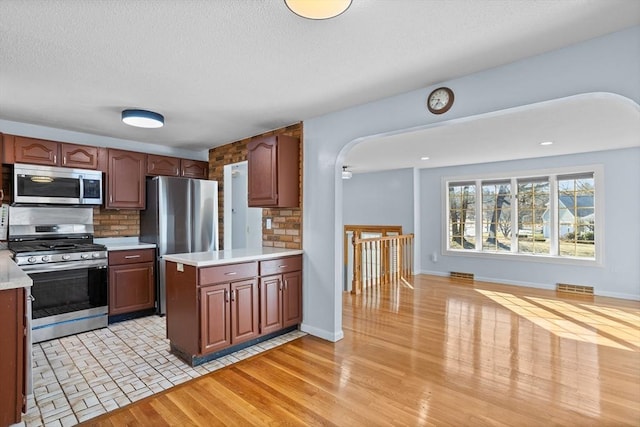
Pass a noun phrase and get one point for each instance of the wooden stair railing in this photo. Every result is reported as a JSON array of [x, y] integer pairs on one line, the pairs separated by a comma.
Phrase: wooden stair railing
[[381, 260]]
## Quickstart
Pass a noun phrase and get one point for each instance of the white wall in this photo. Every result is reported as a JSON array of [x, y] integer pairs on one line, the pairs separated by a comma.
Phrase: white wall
[[381, 198], [606, 64], [619, 276]]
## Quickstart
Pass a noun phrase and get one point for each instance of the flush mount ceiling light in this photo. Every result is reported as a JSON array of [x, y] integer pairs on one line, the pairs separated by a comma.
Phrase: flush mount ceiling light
[[345, 173], [142, 118], [547, 143], [318, 9]]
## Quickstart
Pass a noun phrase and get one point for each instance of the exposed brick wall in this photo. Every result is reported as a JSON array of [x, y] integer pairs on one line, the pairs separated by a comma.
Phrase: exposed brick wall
[[286, 229], [116, 223]]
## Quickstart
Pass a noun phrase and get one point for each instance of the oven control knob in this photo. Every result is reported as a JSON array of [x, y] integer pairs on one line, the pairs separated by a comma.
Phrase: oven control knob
[[66, 257], [32, 260], [46, 258], [84, 256]]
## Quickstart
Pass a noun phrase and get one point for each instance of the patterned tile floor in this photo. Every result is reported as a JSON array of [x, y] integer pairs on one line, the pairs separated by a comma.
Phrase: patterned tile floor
[[79, 377]]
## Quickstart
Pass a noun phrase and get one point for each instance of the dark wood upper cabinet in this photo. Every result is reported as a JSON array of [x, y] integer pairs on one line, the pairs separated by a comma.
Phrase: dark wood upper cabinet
[[173, 166], [274, 171], [36, 151], [125, 180], [163, 165], [20, 149], [79, 156], [194, 169]]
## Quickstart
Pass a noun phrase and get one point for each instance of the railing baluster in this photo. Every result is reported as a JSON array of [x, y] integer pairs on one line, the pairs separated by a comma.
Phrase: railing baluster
[[380, 261]]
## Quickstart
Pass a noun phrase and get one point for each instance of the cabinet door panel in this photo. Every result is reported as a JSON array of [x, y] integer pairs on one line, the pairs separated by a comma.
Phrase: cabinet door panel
[[292, 298], [263, 175], [36, 151], [79, 156], [194, 169], [270, 304], [163, 165], [215, 318], [244, 310], [126, 180], [131, 288]]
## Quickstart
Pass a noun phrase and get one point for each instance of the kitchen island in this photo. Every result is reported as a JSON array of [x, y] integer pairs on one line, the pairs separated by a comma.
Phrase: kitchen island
[[219, 302]]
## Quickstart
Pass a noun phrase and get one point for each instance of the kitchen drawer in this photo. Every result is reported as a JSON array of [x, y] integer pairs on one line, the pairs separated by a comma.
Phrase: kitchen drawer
[[227, 273], [281, 265], [131, 256]]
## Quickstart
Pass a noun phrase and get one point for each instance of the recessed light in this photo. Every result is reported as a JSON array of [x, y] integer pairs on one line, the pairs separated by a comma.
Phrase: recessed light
[[424, 158], [547, 143]]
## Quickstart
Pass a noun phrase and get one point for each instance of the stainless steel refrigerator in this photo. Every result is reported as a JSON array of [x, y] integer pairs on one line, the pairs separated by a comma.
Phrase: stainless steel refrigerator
[[181, 217]]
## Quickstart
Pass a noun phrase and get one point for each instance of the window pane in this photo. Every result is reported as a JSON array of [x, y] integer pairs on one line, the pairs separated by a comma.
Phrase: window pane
[[576, 216], [462, 216], [533, 216], [496, 216]]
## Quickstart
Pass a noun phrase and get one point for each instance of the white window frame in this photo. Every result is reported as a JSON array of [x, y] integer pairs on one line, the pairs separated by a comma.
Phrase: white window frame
[[551, 174]]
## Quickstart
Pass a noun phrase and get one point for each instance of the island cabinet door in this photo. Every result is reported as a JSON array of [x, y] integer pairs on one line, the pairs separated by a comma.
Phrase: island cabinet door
[[244, 311], [270, 304], [292, 298], [215, 318]]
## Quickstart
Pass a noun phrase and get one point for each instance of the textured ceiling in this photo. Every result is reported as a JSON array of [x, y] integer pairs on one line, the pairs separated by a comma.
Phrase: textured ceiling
[[222, 70]]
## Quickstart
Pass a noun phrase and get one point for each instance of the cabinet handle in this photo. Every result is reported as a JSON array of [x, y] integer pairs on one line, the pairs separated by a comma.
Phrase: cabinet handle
[[64, 160], [282, 266], [226, 295], [233, 295], [55, 158], [231, 273], [110, 198], [279, 285], [285, 285], [131, 256]]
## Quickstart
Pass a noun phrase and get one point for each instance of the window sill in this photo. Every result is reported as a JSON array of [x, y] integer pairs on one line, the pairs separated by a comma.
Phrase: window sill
[[520, 257]]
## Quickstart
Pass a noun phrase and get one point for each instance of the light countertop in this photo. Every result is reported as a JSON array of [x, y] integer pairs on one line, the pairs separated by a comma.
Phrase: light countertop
[[230, 256], [12, 276], [123, 243]]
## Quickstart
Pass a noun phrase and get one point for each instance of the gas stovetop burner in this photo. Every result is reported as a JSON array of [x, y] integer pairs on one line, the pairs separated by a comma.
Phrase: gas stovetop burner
[[31, 252]]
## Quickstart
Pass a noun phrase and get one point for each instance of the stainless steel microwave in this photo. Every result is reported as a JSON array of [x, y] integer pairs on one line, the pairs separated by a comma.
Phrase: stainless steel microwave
[[48, 185]]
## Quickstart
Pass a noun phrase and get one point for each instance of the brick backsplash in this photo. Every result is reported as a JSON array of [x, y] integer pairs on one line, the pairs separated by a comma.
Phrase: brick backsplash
[[286, 229], [116, 223]]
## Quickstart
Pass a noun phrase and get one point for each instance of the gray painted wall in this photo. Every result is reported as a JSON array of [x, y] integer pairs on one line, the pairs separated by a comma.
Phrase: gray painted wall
[[382, 198], [619, 276], [606, 64]]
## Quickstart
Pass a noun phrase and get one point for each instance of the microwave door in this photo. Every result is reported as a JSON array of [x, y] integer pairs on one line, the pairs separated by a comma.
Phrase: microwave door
[[47, 189]]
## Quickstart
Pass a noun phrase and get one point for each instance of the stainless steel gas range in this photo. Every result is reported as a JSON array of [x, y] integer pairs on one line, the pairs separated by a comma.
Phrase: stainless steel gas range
[[54, 246]]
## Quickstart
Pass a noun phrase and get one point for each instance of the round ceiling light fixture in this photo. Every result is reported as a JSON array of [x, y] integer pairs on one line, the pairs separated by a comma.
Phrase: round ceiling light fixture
[[142, 118], [318, 9]]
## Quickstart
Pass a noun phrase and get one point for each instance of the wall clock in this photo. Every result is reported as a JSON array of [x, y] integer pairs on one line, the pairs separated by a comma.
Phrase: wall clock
[[440, 100]]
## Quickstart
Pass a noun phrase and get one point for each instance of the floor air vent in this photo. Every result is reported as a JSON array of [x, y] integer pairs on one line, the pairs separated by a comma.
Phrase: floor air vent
[[459, 275], [574, 289]]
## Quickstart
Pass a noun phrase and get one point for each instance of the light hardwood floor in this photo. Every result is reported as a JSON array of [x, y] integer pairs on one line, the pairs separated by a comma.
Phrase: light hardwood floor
[[442, 353]]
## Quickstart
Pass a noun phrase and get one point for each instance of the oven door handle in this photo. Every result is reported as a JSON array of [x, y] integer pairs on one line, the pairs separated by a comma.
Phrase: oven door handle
[[73, 265]]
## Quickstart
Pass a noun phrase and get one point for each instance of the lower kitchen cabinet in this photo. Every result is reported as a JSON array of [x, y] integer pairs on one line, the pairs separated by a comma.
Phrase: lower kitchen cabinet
[[12, 355], [131, 281], [214, 310], [280, 294], [229, 314]]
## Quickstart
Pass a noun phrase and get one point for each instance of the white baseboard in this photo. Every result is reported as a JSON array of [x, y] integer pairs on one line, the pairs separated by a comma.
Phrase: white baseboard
[[321, 333], [547, 286]]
